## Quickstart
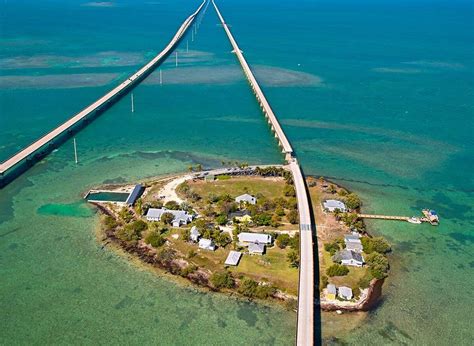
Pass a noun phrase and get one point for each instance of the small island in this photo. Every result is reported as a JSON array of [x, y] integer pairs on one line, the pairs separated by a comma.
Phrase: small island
[[235, 230]]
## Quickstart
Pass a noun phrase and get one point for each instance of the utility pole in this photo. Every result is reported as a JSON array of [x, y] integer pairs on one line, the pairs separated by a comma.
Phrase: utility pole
[[75, 150]]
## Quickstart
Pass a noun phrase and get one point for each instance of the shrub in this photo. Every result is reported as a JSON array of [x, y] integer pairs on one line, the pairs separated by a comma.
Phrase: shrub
[[188, 270], [353, 201], [223, 239], [292, 217], [332, 248], [377, 244], [282, 240], [289, 191], [337, 270], [167, 218], [155, 239], [248, 287], [378, 265], [172, 205], [293, 258], [364, 281], [265, 291], [262, 219], [221, 220], [110, 223], [324, 282], [295, 242], [222, 279], [280, 211], [126, 215]]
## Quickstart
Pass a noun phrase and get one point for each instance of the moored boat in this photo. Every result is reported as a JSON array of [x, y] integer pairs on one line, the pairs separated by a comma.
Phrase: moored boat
[[414, 220]]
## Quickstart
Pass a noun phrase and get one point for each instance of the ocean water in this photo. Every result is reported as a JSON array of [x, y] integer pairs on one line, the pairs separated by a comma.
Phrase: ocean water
[[377, 96]]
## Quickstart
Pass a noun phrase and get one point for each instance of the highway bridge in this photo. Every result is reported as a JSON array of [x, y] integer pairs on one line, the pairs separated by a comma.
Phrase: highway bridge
[[104, 101], [305, 327]]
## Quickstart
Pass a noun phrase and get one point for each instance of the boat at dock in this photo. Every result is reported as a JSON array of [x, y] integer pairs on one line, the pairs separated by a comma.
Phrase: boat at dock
[[415, 220], [431, 216]]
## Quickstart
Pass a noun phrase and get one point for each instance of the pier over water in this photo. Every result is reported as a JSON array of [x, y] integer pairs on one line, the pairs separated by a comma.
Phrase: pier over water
[[103, 102], [305, 328]]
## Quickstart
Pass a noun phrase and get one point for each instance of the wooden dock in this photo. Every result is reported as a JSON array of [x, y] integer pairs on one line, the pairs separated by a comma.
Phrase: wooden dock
[[383, 217]]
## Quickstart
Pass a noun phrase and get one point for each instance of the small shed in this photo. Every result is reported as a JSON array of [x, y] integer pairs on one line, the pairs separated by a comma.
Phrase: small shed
[[233, 258], [261, 238], [194, 234], [345, 292], [331, 291], [207, 244]]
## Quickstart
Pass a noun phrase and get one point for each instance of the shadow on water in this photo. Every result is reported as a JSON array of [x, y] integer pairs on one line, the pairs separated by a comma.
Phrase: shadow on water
[[317, 308]]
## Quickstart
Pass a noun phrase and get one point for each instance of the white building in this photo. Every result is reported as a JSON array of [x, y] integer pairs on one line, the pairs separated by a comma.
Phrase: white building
[[353, 242], [256, 249], [246, 198], [261, 238], [207, 244], [332, 204], [349, 258], [344, 292], [233, 258], [181, 217], [194, 234]]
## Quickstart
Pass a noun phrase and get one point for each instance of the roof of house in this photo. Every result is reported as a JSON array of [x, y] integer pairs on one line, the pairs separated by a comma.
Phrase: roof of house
[[133, 196], [239, 213], [352, 238], [345, 291], [347, 255], [246, 198], [261, 238], [256, 247], [178, 214], [206, 242], [354, 246], [331, 289], [334, 204], [233, 258]]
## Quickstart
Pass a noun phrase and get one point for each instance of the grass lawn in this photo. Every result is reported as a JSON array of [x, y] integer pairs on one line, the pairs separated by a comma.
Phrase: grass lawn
[[272, 267], [236, 186]]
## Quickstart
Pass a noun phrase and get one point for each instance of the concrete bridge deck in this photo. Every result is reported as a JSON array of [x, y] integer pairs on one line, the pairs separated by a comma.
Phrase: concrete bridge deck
[[305, 328], [104, 100]]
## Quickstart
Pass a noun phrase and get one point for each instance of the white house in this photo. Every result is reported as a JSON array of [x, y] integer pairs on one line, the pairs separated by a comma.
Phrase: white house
[[349, 258], [246, 198], [261, 238], [181, 217], [207, 244], [256, 249], [332, 204], [353, 242], [344, 292], [194, 234]]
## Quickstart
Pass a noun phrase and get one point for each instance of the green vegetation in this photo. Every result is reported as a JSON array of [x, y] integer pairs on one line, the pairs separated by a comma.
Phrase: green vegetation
[[132, 231], [167, 218], [332, 247], [222, 279], [294, 259], [283, 240], [378, 265], [337, 270], [155, 239], [292, 217], [353, 201], [377, 244]]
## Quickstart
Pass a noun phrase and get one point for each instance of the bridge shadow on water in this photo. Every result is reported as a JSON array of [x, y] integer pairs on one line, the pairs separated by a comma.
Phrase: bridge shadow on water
[[317, 323]]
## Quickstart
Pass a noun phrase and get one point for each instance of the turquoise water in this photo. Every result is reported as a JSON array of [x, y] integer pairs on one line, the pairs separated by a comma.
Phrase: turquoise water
[[377, 96]]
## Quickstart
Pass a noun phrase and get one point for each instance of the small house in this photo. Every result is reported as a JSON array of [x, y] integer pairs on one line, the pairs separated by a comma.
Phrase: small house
[[207, 244], [194, 234], [352, 238], [246, 198], [233, 258], [349, 258], [331, 291], [247, 238], [345, 293], [256, 249], [332, 204], [241, 216], [181, 217], [357, 247]]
